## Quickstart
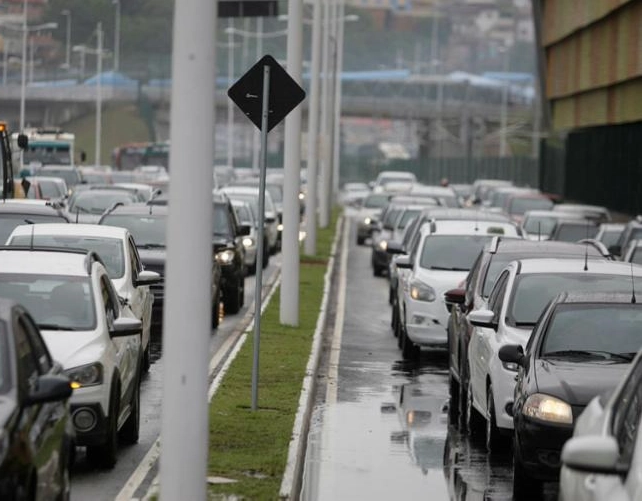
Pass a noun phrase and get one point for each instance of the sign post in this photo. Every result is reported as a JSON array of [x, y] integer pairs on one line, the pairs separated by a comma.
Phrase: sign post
[[280, 94]]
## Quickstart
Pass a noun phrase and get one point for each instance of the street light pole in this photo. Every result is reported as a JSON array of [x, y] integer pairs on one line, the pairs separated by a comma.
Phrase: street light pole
[[67, 14], [503, 145], [324, 199], [230, 104], [341, 19], [23, 81], [99, 91], [117, 36], [31, 59]]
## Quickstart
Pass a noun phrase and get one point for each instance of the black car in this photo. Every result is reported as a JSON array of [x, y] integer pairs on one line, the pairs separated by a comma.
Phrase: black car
[[14, 213], [148, 225], [38, 437], [475, 291], [580, 348]]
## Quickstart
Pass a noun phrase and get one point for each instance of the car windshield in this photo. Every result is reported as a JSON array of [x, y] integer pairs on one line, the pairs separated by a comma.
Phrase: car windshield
[[572, 232], [594, 330], [519, 205], [451, 252], [148, 230], [532, 292], [221, 221], [540, 225], [110, 250], [56, 302], [610, 237], [406, 217], [48, 190], [97, 202], [9, 222], [375, 201], [391, 217], [244, 213]]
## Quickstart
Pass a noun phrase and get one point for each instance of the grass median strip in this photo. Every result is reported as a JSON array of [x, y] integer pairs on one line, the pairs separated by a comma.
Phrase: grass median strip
[[252, 447]]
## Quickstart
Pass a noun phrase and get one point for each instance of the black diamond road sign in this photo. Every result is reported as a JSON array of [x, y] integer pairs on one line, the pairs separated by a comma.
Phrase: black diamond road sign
[[285, 94]]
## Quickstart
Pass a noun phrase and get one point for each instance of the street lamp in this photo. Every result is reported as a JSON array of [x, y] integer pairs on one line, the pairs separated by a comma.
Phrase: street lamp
[[117, 36], [67, 14], [503, 143]]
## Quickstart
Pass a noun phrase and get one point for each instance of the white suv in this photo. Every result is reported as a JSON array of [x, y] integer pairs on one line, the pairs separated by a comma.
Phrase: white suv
[[515, 303], [89, 332], [117, 250], [439, 260]]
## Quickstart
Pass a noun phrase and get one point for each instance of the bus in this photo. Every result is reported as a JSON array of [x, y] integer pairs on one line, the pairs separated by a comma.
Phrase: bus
[[131, 155]]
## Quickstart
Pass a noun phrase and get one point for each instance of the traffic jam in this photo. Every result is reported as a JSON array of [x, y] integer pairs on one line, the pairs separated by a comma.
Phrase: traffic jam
[[522, 307]]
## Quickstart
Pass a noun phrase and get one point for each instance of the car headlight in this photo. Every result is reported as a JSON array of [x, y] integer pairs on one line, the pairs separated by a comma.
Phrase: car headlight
[[248, 242], [383, 245], [301, 196], [420, 291], [367, 220], [85, 375], [279, 227], [225, 257], [547, 408]]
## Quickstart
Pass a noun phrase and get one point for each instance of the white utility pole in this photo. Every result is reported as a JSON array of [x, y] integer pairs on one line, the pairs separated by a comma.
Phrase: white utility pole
[[23, 81], [332, 74], [324, 192], [503, 125], [230, 103], [289, 309], [31, 59], [117, 36], [184, 435], [99, 90], [336, 142], [313, 135], [67, 14]]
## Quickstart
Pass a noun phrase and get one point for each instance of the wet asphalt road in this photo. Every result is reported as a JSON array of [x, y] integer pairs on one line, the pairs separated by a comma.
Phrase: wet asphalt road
[[92, 483], [386, 434]]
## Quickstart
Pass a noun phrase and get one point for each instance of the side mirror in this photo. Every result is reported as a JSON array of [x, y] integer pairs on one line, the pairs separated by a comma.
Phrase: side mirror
[[124, 326], [243, 230], [23, 141], [592, 454], [147, 277], [455, 296], [50, 388], [394, 248], [482, 318], [512, 353], [403, 262]]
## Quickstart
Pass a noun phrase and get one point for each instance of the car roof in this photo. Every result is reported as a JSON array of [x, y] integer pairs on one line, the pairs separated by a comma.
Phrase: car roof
[[53, 261], [11, 207], [512, 245], [594, 297], [580, 207], [553, 265], [554, 214], [89, 230], [453, 213], [467, 227]]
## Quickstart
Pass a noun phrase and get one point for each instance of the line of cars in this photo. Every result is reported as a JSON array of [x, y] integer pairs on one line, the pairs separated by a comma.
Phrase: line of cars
[[542, 334], [78, 303]]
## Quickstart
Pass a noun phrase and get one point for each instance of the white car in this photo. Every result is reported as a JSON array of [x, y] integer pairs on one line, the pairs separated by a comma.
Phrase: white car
[[516, 301], [438, 261], [117, 250], [250, 242], [603, 459], [90, 333]]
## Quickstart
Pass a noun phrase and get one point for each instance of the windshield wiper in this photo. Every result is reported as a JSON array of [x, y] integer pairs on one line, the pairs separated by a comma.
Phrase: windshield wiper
[[524, 324], [443, 268], [54, 327], [627, 357], [151, 246]]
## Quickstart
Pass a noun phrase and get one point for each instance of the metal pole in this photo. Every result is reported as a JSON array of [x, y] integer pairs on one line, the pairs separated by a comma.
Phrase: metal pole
[[259, 249], [324, 199], [230, 104], [434, 39], [117, 37], [503, 146], [313, 135], [332, 73], [289, 306], [31, 59], [67, 14], [99, 90], [184, 435], [440, 112], [337, 101], [23, 80], [82, 64], [537, 118], [257, 134], [5, 61]]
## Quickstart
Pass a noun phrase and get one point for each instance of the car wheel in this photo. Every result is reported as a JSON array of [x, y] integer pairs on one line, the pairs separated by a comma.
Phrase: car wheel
[[360, 240], [215, 307], [147, 362], [463, 396], [105, 454], [524, 486], [394, 321], [377, 271], [453, 406], [129, 433], [266, 254], [232, 299], [251, 269], [242, 291], [495, 442], [409, 350], [474, 421]]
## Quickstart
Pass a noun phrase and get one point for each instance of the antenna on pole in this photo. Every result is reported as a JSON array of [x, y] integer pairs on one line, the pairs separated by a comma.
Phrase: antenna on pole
[[586, 248], [633, 300], [539, 231]]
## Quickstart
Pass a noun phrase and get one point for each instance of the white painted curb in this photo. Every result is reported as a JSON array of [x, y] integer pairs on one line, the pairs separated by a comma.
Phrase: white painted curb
[[290, 484]]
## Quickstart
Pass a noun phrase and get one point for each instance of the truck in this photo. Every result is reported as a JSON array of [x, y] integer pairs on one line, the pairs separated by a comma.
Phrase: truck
[[6, 158], [47, 146]]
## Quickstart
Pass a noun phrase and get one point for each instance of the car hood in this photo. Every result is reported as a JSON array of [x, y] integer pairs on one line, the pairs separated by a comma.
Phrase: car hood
[[441, 280], [152, 256], [577, 382], [74, 348]]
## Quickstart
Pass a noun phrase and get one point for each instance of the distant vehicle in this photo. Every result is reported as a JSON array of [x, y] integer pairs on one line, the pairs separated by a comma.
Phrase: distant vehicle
[[72, 175], [353, 193], [7, 158], [131, 155], [36, 423], [49, 146], [41, 188], [391, 176], [596, 213]]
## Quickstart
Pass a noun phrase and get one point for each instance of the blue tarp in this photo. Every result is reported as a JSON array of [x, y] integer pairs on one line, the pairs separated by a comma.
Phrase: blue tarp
[[112, 79]]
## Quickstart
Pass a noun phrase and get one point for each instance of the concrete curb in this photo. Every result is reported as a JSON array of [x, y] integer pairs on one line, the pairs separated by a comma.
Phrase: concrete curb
[[291, 483]]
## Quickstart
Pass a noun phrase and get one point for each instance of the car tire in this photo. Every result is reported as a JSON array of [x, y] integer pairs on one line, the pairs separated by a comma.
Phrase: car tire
[[409, 350], [105, 455], [463, 396], [394, 320], [360, 240], [524, 486], [130, 431], [475, 423], [377, 271], [232, 299], [495, 441], [453, 403], [215, 310], [251, 269], [147, 362], [266, 254]]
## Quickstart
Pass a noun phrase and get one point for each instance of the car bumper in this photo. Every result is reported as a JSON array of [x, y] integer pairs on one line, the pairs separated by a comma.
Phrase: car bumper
[[540, 445], [503, 394], [426, 322]]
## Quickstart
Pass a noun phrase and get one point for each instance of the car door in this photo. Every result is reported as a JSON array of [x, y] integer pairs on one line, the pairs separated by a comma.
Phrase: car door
[[142, 297], [45, 423], [480, 351]]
